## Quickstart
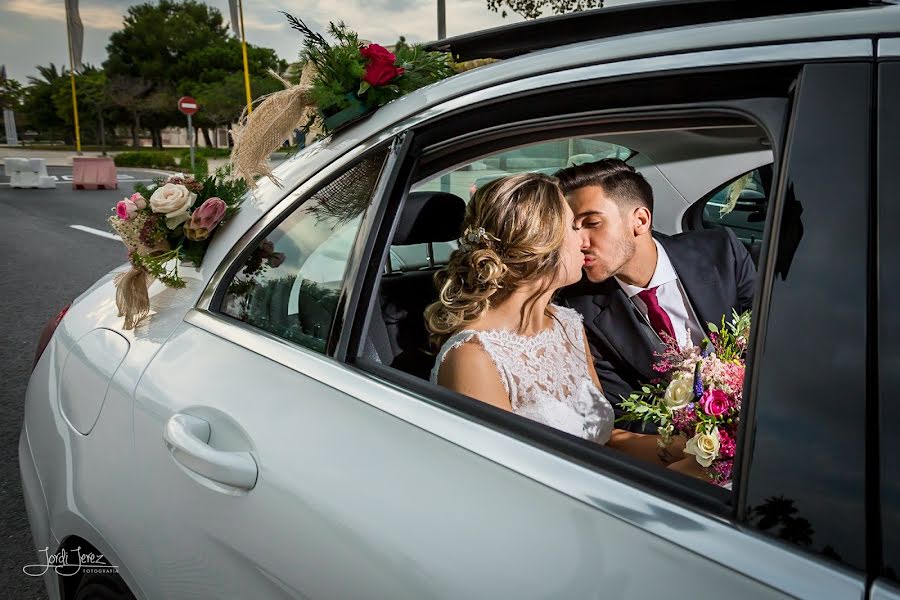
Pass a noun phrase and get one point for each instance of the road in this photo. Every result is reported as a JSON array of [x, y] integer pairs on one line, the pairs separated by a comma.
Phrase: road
[[45, 264]]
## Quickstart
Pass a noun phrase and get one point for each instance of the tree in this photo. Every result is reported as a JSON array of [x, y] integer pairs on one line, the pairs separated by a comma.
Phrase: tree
[[129, 95], [177, 48], [38, 108], [221, 102], [94, 104], [532, 9], [11, 93]]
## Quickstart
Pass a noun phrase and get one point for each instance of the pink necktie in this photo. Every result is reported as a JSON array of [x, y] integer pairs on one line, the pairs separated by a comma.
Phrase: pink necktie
[[659, 319]]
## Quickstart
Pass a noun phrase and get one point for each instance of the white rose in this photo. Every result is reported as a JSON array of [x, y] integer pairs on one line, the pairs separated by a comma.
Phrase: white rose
[[172, 200], [679, 393], [705, 446]]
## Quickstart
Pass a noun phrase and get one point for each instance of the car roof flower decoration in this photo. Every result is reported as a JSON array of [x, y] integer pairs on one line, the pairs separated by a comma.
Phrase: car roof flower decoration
[[167, 224], [340, 81]]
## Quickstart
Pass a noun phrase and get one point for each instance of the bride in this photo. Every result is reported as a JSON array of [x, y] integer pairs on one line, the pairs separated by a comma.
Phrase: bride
[[502, 340]]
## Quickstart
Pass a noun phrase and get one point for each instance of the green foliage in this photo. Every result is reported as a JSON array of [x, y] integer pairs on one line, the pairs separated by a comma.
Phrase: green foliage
[[11, 93], [339, 69], [145, 158], [201, 166], [642, 405], [732, 336], [532, 9]]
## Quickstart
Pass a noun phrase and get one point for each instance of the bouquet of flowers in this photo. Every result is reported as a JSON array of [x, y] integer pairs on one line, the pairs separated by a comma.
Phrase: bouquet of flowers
[[698, 396], [341, 82], [166, 224]]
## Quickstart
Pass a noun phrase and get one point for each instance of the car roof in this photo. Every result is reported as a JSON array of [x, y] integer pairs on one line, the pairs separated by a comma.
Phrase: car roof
[[548, 32], [837, 24], [880, 19]]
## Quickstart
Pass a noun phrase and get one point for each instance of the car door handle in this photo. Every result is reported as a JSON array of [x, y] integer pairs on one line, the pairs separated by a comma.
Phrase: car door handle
[[188, 439]]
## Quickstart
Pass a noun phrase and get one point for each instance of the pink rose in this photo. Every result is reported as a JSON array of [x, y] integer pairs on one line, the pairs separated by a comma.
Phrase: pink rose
[[139, 201], [125, 209], [715, 403]]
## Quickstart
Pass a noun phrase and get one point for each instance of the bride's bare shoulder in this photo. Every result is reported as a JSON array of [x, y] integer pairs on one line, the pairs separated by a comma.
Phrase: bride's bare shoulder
[[468, 369]]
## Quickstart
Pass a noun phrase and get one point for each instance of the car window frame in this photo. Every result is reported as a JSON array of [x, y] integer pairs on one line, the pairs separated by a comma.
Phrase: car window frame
[[698, 494], [213, 295]]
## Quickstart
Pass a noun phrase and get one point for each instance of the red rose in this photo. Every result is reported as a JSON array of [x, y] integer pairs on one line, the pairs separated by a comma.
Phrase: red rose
[[380, 67], [374, 52]]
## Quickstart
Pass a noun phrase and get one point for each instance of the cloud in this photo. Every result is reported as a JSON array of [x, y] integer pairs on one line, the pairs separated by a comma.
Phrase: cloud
[[105, 18]]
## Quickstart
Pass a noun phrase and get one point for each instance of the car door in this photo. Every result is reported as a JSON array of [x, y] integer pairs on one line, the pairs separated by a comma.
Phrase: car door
[[886, 575], [245, 462], [796, 525]]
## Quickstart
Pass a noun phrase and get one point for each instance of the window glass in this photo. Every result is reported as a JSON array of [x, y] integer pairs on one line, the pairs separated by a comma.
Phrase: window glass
[[546, 157], [740, 205], [889, 313], [806, 482], [290, 283]]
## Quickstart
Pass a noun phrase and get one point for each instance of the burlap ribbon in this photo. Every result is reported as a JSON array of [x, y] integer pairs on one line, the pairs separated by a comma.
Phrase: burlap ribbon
[[132, 296], [262, 131]]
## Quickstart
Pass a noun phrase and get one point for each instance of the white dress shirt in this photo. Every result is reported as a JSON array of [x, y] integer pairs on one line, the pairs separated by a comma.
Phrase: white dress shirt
[[672, 299]]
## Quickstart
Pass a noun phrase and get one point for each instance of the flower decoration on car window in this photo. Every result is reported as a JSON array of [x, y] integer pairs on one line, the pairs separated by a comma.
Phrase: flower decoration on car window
[[164, 225], [341, 81]]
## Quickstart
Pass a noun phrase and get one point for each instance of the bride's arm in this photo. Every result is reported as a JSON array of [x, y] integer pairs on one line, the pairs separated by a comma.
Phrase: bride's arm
[[640, 445], [469, 370]]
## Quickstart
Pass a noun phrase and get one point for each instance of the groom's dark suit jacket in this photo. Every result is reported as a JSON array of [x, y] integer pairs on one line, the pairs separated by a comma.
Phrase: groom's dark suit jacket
[[715, 270]]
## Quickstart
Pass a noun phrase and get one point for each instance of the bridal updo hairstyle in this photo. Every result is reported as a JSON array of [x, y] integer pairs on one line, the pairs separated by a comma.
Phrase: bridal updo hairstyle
[[513, 230]]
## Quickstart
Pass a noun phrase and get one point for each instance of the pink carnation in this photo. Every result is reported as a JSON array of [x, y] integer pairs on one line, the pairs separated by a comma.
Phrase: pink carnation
[[727, 444]]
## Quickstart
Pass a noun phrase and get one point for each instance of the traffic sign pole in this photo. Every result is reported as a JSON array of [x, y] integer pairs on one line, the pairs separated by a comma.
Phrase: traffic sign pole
[[191, 135], [189, 106]]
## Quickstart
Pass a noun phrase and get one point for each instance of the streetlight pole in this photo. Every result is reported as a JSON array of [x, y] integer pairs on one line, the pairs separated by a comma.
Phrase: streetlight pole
[[442, 19]]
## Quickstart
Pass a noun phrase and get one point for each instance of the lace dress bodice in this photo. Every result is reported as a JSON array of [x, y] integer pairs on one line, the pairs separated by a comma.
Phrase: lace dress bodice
[[545, 375]]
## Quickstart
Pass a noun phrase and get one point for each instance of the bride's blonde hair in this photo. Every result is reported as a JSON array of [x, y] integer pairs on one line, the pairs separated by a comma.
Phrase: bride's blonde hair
[[513, 231]]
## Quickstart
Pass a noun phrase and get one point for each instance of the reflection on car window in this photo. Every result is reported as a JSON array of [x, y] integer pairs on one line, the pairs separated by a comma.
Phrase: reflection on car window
[[740, 205], [290, 283], [546, 157]]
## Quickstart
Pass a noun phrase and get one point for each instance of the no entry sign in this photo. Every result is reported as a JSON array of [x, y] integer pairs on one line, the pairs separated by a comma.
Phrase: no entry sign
[[188, 105]]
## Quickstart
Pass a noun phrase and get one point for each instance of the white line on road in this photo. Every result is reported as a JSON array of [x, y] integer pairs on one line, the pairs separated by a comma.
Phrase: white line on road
[[105, 234]]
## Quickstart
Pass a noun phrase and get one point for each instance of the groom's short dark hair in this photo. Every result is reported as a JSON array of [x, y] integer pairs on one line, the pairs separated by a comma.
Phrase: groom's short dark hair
[[619, 181]]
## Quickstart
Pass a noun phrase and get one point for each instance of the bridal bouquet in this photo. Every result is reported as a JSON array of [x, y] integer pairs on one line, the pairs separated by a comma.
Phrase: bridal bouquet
[[698, 396], [166, 224]]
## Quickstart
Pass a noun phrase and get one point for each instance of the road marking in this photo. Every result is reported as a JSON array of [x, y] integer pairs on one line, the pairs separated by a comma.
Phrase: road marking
[[105, 234]]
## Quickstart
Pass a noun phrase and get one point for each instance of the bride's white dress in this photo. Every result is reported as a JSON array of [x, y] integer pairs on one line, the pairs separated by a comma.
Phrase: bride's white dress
[[545, 375]]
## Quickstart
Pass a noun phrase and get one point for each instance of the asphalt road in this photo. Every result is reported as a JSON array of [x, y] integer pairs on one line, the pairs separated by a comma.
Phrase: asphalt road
[[44, 265]]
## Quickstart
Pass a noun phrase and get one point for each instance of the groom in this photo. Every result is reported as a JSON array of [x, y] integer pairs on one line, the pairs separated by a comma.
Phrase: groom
[[638, 286]]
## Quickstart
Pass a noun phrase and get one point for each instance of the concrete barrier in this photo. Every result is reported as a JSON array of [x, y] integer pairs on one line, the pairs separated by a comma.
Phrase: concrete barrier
[[91, 173], [28, 173]]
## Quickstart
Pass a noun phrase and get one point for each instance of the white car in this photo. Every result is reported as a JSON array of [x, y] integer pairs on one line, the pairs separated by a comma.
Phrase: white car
[[270, 432]]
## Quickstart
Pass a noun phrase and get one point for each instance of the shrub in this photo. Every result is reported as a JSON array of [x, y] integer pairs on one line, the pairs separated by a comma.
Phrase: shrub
[[145, 158], [201, 166]]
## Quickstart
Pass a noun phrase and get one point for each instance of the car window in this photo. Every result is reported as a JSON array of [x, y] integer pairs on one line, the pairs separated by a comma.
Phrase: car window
[[290, 282], [740, 205], [889, 314]]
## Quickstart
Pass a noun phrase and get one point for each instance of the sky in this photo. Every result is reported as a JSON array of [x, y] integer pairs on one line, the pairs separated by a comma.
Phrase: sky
[[32, 32]]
